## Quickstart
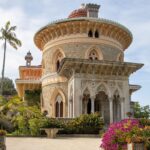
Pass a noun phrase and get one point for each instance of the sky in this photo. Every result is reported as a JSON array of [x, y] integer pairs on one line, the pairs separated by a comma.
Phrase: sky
[[29, 16]]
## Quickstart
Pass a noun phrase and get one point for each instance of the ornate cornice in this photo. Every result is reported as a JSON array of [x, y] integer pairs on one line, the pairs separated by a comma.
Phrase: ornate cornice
[[82, 25], [71, 66]]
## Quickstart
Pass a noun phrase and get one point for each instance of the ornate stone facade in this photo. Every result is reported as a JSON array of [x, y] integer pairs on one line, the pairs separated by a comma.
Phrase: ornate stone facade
[[83, 68]]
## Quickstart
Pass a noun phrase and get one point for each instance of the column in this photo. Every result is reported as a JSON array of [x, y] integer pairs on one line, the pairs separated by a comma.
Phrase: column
[[111, 109], [122, 107], [92, 104], [81, 103], [70, 108], [85, 107]]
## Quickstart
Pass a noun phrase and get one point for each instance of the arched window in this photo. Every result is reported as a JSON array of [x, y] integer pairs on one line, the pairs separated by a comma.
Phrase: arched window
[[93, 55], [90, 34], [96, 34], [58, 60], [57, 64], [59, 106]]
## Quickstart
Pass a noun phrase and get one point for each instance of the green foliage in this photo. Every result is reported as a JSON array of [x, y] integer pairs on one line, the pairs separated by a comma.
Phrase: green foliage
[[32, 97], [53, 123], [8, 36], [8, 87], [2, 132], [20, 116], [144, 122], [23, 122], [141, 112], [85, 124], [8, 109], [27, 120], [34, 126], [22, 125]]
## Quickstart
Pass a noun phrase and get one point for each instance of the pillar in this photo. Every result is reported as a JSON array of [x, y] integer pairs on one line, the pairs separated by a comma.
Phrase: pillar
[[92, 104], [111, 109], [70, 108], [81, 103], [122, 108]]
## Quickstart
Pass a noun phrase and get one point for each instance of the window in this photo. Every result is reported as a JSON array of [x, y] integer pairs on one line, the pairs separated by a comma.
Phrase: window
[[90, 34], [93, 55], [58, 60], [57, 64], [59, 106]]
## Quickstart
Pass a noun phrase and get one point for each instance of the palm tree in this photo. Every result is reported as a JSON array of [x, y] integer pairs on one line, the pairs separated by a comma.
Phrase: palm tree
[[9, 36]]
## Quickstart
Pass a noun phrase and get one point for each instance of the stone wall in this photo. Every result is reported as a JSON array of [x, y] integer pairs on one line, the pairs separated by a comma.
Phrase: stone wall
[[78, 50], [49, 94]]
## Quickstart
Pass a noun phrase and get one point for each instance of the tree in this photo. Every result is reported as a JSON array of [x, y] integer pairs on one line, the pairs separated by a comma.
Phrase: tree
[[32, 97], [8, 87], [8, 36], [141, 112]]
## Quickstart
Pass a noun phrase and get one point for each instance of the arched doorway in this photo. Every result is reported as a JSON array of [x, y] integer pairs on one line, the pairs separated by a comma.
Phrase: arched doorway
[[86, 102], [116, 108], [59, 106], [102, 106], [89, 106]]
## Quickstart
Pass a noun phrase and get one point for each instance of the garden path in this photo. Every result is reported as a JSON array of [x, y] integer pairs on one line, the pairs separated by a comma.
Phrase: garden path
[[52, 144]]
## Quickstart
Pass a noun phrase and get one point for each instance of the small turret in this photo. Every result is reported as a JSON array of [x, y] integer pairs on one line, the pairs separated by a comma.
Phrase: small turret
[[28, 59], [92, 10]]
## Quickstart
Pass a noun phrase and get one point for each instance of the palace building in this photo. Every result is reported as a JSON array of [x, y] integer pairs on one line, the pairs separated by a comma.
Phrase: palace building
[[83, 69]]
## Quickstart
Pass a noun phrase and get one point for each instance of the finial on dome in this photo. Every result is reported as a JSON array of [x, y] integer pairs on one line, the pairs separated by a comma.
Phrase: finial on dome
[[28, 58]]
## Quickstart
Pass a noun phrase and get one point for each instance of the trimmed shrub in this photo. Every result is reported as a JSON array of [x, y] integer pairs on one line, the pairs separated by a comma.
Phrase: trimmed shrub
[[53, 123], [85, 124]]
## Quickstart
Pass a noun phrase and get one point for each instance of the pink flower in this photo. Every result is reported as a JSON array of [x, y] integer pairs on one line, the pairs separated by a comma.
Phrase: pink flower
[[117, 133]]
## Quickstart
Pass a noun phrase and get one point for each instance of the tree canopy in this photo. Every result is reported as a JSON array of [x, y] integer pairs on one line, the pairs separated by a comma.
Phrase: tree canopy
[[8, 36], [8, 87], [141, 111]]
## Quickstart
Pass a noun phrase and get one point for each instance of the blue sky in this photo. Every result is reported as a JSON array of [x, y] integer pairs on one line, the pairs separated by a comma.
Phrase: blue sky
[[31, 15]]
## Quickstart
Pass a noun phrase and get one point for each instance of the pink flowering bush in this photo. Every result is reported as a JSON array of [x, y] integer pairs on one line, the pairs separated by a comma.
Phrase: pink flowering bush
[[118, 134]]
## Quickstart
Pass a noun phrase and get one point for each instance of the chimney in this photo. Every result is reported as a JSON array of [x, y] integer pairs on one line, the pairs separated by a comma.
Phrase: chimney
[[92, 10]]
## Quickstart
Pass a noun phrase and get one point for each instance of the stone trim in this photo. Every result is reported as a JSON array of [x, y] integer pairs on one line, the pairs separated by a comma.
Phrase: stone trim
[[82, 26]]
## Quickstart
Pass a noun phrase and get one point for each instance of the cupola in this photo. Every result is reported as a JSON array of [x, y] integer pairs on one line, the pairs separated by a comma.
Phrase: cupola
[[28, 59]]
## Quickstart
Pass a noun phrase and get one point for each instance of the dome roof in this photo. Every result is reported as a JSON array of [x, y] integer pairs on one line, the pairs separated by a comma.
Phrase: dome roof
[[82, 12]]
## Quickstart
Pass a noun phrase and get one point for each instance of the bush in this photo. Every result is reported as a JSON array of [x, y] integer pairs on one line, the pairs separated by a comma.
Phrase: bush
[[85, 124], [32, 97], [144, 122], [141, 112], [22, 126], [27, 121], [117, 134], [53, 123], [2, 132], [125, 131], [34, 126]]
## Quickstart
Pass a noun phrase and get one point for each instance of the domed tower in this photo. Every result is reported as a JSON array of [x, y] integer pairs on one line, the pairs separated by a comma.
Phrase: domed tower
[[83, 66]]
